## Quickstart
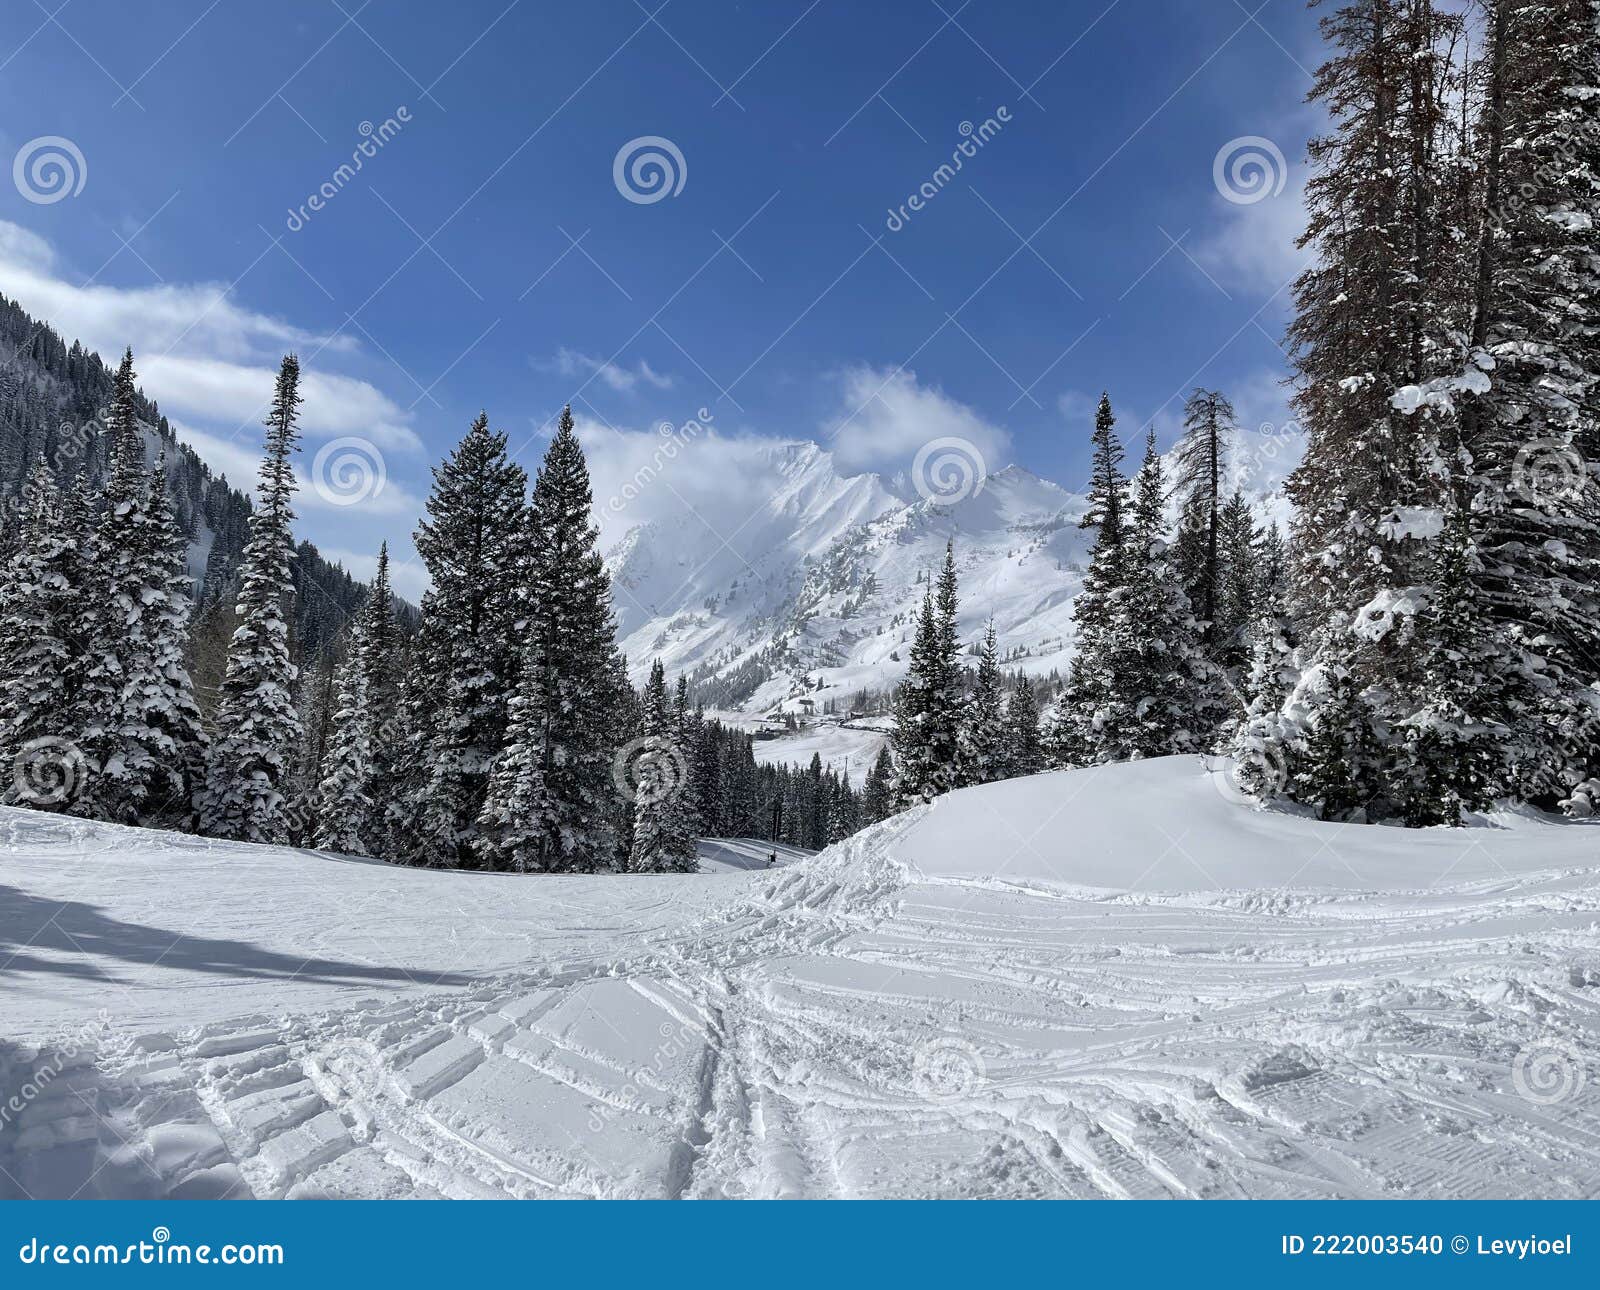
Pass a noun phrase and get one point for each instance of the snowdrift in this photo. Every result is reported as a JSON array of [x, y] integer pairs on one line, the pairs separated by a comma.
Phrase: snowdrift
[[1178, 824], [1115, 983]]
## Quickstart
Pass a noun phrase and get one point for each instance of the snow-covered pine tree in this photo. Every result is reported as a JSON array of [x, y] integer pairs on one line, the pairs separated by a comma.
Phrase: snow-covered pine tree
[[1531, 422], [1338, 766], [362, 728], [250, 762], [160, 711], [343, 806], [1370, 345], [118, 761], [710, 788], [475, 546], [1235, 607], [1159, 676], [1451, 739], [570, 632], [316, 703], [928, 702], [688, 739], [1258, 743], [877, 794], [1025, 744], [985, 751], [1079, 727], [662, 841], [42, 590], [1201, 462], [515, 824]]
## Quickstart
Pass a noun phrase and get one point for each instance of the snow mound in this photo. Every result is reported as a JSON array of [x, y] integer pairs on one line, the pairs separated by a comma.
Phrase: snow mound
[[1178, 824]]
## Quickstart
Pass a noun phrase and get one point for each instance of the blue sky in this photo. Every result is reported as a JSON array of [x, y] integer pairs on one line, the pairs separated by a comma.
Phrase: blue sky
[[485, 256]]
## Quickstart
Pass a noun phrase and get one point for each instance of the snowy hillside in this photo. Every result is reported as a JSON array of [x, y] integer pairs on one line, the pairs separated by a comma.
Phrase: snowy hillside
[[814, 592], [1117, 982]]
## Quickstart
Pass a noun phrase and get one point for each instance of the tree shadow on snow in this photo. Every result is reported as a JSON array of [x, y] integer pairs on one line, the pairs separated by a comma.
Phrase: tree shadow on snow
[[34, 930]]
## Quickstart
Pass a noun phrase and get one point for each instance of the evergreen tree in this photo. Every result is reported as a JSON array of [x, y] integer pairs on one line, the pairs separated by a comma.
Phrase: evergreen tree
[[119, 760], [575, 683], [877, 797], [1025, 754], [927, 711], [361, 730], [662, 841], [985, 750], [1450, 743], [1531, 419], [257, 729], [1087, 718], [475, 546], [516, 822], [42, 590], [344, 807], [1339, 770], [1201, 461], [161, 717], [1235, 606]]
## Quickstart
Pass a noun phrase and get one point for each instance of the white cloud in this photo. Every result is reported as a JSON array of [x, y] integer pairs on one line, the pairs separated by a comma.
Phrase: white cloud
[[240, 458], [1253, 249], [645, 476], [210, 363], [887, 416], [185, 318], [571, 362], [224, 392], [198, 353]]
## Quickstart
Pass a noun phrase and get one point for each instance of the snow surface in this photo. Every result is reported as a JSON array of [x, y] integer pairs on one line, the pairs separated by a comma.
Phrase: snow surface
[[849, 749], [1117, 982]]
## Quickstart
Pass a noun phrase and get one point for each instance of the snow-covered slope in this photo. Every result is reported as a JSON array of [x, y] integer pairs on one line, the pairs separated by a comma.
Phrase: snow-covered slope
[[808, 588], [1119, 982]]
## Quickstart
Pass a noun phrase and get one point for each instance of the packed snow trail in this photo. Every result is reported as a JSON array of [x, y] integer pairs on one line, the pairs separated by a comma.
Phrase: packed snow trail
[[1113, 983]]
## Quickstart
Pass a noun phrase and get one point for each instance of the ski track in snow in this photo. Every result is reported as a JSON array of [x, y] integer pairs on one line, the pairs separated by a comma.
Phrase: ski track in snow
[[841, 1026]]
